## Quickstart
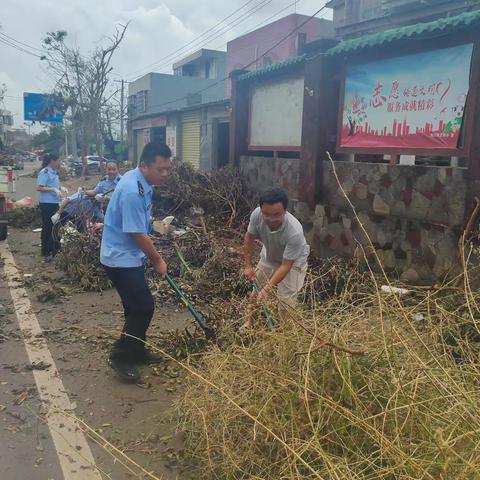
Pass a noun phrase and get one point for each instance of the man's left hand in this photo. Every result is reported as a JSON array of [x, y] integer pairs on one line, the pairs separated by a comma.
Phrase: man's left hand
[[262, 295]]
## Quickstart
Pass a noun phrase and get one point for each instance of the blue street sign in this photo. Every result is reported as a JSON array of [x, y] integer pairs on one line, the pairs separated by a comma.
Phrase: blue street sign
[[43, 107]]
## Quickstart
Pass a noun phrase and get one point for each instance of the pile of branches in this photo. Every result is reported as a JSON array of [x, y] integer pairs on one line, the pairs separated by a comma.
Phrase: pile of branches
[[208, 269], [364, 385], [333, 277], [79, 258], [25, 218], [222, 194], [7, 158]]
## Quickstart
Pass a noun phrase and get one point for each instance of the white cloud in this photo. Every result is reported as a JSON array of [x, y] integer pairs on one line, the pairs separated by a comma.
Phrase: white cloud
[[157, 28]]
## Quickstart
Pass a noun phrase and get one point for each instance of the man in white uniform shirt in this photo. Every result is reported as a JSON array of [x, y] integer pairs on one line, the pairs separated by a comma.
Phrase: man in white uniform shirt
[[283, 260]]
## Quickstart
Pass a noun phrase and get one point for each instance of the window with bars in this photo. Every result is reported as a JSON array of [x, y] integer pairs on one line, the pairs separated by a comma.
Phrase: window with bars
[[131, 105], [141, 102]]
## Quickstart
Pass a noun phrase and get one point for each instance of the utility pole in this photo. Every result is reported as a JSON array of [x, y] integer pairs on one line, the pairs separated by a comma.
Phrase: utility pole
[[122, 105], [66, 136], [73, 139]]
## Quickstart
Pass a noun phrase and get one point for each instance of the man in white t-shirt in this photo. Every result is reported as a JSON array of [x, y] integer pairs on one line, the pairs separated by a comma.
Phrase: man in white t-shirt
[[283, 260]]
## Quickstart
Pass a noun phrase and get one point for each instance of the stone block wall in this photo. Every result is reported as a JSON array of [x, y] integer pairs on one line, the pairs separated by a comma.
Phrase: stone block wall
[[413, 215], [263, 172]]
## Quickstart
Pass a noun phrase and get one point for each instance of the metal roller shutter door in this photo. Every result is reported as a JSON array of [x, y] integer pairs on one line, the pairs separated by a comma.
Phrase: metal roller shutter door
[[139, 144], [191, 138]]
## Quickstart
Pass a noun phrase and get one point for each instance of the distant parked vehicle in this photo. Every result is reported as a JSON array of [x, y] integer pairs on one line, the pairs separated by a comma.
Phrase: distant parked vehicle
[[95, 164], [18, 165]]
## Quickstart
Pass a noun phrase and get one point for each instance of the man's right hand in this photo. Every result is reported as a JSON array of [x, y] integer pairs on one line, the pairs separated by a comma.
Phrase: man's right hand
[[249, 272], [160, 266]]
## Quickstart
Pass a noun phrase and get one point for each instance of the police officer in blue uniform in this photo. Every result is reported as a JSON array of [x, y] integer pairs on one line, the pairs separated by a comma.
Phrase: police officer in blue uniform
[[78, 209], [48, 184], [125, 246], [108, 183]]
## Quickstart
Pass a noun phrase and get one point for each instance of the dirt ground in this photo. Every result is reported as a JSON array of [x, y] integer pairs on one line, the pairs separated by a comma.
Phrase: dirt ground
[[79, 328]]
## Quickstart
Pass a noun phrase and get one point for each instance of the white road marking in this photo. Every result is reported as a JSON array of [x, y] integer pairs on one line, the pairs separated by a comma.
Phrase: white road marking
[[74, 454]]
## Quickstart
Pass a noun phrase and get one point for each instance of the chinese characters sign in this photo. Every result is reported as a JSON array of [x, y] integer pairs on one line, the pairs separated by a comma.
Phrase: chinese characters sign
[[414, 101]]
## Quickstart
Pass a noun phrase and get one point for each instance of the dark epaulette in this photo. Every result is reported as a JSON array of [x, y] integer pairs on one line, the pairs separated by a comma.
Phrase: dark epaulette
[[105, 177], [141, 191]]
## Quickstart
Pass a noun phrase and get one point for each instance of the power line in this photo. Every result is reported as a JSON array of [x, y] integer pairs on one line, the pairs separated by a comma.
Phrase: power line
[[263, 22], [213, 35], [223, 45], [249, 64], [269, 18], [14, 43], [21, 49], [258, 25], [21, 43], [193, 40]]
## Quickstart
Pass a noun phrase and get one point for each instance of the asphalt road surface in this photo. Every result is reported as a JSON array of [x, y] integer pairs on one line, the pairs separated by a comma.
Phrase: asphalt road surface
[[58, 398]]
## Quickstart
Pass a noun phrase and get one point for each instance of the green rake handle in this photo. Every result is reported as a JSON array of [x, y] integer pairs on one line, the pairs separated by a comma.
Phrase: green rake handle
[[209, 332], [266, 310]]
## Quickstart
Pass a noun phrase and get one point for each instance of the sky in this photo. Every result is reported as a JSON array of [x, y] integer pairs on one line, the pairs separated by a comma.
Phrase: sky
[[157, 30]]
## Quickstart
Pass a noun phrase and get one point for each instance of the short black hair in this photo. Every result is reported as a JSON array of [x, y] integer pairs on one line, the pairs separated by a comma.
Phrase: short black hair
[[48, 158], [112, 161], [274, 195], [153, 150]]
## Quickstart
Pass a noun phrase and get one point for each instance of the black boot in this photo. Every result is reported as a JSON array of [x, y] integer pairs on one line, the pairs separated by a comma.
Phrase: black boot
[[147, 357], [125, 369]]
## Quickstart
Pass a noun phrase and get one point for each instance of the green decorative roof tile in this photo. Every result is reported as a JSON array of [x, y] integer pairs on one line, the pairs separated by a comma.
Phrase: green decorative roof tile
[[273, 68]]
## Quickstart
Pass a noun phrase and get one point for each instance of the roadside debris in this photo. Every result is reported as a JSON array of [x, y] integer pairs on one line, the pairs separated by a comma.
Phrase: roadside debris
[[25, 202], [396, 290], [38, 366], [25, 218], [79, 258]]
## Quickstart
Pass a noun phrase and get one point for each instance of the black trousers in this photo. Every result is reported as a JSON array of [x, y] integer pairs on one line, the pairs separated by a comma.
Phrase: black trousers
[[138, 307], [49, 243]]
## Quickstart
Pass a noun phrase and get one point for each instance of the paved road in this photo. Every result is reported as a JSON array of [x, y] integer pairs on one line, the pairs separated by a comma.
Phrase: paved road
[[52, 365], [27, 185], [58, 449]]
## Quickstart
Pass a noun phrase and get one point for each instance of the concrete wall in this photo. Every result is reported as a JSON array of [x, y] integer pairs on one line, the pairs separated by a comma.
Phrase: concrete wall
[[245, 49], [263, 172], [352, 17], [168, 92], [413, 215], [198, 62]]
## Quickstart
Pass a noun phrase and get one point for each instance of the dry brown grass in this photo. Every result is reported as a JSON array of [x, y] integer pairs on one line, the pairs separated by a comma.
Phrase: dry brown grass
[[358, 386]]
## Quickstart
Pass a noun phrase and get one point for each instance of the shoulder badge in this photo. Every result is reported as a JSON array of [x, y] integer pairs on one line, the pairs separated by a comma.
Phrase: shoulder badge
[[141, 191]]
